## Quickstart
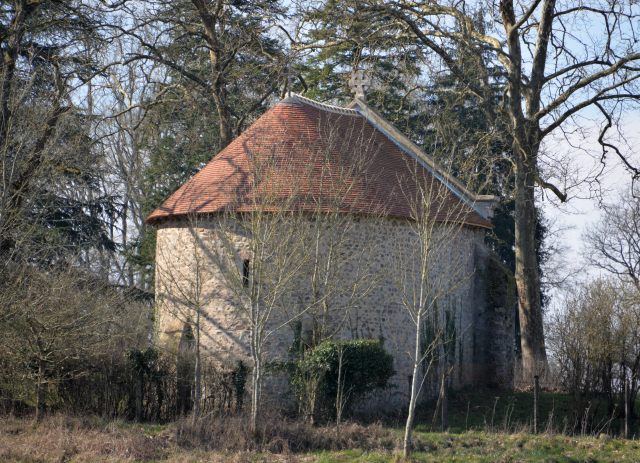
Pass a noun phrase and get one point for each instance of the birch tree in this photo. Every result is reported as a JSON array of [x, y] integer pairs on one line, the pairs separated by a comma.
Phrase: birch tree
[[257, 248], [183, 270], [342, 249], [429, 266]]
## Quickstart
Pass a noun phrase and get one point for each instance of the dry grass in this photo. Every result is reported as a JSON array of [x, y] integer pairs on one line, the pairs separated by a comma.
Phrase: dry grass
[[226, 438], [277, 434], [62, 438]]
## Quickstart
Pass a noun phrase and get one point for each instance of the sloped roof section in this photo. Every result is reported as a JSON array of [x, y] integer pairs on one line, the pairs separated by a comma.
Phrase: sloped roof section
[[307, 156]]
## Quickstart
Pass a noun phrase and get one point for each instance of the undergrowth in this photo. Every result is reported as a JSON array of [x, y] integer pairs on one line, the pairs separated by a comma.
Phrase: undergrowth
[[486, 426], [277, 434]]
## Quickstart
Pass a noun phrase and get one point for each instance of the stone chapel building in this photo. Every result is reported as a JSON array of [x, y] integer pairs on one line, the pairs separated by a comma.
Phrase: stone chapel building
[[482, 304]]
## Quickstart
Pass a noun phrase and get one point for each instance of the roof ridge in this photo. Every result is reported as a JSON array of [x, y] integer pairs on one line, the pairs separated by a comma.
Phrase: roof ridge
[[326, 107], [461, 190]]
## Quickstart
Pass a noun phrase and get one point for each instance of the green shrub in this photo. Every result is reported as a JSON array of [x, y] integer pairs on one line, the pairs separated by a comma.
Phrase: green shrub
[[366, 367]]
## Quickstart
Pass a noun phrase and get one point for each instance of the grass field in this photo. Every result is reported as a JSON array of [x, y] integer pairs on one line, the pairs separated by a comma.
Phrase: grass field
[[498, 447], [486, 426], [512, 411]]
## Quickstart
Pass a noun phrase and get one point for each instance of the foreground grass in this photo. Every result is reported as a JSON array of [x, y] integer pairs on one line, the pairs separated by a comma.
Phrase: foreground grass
[[483, 447], [512, 411], [485, 426], [62, 438]]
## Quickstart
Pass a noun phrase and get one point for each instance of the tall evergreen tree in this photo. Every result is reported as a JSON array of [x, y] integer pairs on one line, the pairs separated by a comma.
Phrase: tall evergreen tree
[[220, 51], [49, 198], [222, 66]]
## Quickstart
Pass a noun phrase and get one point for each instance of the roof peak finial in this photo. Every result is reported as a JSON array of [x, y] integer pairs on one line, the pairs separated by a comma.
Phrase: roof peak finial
[[359, 83], [290, 77]]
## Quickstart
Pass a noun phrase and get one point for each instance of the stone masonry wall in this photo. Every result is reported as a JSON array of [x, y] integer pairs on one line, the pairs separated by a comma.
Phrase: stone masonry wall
[[480, 305]]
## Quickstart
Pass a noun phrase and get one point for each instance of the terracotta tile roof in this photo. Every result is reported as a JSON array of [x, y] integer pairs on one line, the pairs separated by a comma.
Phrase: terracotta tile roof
[[306, 156]]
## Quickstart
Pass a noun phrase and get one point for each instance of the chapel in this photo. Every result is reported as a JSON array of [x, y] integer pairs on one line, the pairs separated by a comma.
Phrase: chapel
[[352, 169]]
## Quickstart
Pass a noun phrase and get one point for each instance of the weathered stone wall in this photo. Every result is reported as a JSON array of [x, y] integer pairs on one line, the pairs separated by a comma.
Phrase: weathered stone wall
[[494, 328], [475, 292]]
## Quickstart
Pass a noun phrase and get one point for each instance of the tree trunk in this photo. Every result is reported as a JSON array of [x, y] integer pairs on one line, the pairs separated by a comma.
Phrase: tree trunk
[[534, 355], [139, 398], [255, 393], [414, 389], [226, 126], [23, 10], [40, 392], [445, 403], [196, 395]]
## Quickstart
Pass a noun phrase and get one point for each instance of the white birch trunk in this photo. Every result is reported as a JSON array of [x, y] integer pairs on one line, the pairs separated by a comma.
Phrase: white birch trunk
[[196, 395], [255, 393], [414, 389]]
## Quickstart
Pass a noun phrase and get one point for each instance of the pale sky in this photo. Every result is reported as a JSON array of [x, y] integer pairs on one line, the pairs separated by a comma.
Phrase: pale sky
[[582, 209]]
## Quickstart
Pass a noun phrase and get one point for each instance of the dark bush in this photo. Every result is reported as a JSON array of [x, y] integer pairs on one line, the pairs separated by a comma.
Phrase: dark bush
[[125, 383], [366, 367]]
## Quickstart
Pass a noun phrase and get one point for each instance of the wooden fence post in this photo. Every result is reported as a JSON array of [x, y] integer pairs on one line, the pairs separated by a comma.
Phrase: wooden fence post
[[626, 408], [445, 417], [536, 391]]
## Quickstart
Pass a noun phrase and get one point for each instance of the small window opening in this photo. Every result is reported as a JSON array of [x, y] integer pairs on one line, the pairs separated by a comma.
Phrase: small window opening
[[245, 273]]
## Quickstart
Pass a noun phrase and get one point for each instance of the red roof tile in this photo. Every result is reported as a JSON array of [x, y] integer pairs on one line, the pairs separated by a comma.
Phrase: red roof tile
[[307, 156]]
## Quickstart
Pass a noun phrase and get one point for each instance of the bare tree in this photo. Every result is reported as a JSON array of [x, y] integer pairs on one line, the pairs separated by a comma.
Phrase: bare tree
[[595, 340], [251, 251], [120, 104], [553, 74], [258, 251], [613, 243], [339, 273], [338, 177], [428, 267], [183, 270], [52, 317]]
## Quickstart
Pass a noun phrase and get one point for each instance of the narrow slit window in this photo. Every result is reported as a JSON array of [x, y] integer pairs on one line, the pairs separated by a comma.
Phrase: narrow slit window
[[245, 273]]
